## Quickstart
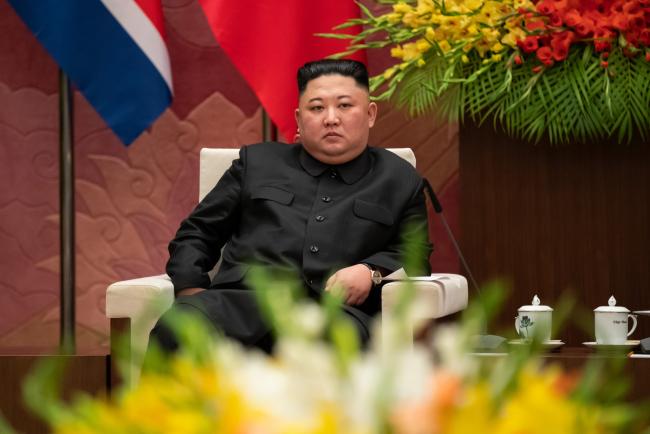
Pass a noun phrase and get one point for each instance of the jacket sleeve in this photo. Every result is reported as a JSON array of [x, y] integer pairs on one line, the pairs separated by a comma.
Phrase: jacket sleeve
[[196, 248], [410, 247]]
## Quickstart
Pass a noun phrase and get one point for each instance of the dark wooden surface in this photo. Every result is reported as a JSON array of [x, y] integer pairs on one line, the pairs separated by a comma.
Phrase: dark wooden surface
[[632, 371], [553, 220], [84, 373], [120, 331], [635, 371]]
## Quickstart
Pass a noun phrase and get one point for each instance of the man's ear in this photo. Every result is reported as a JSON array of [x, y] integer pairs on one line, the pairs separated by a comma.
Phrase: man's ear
[[372, 114], [297, 116]]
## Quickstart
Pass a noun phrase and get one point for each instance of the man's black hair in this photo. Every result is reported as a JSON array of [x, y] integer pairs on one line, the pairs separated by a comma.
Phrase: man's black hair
[[345, 67]]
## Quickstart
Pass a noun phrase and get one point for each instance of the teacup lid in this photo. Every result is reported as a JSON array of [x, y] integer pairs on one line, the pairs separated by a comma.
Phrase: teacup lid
[[535, 306], [612, 307]]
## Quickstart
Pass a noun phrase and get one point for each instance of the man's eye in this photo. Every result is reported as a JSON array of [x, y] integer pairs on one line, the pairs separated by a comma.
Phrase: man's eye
[[316, 108], [345, 105]]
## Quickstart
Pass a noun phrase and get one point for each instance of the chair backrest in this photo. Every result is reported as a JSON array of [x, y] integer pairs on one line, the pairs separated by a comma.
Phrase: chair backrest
[[215, 161]]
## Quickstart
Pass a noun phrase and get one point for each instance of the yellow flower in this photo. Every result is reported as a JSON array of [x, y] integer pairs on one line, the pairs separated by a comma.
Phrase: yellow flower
[[496, 47], [402, 8], [473, 4], [411, 51], [425, 6], [413, 20], [464, 58], [393, 18], [430, 33], [444, 46], [422, 45], [397, 52], [474, 411], [538, 395], [420, 63], [389, 72]]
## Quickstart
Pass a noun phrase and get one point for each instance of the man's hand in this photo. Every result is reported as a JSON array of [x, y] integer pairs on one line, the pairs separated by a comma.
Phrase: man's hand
[[355, 281], [189, 291]]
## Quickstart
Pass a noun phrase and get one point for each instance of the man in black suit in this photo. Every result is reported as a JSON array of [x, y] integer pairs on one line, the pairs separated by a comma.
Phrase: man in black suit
[[331, 208]]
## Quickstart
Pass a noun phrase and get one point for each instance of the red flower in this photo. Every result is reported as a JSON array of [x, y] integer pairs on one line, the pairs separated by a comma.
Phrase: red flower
[[559, 4], [584, 26], [636, 21], [545, 55], [572, 18], [560, 43], [619, 21], [647, 56], [604, 64], [555, 20], [644, 37], [602, 40], [533, 25], [631, 7], [519, 61], [529, 44], [537, 69], [546, 7]]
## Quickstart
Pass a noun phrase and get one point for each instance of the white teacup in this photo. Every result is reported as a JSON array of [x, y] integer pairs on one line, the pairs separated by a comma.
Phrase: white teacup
[[612, 326], [534, 321]]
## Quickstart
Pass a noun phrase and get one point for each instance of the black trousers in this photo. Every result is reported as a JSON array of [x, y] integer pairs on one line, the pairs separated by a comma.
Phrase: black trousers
[[235, 313]]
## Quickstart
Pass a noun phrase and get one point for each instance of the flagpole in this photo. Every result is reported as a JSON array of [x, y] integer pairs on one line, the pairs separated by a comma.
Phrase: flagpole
[[269, 129], [67, 214]]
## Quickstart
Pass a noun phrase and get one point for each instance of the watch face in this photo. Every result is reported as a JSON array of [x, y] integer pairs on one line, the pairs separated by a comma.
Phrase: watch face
[[376, 277]]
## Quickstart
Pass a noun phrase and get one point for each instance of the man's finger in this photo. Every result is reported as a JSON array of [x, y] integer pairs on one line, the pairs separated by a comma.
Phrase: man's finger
[[330, 282]]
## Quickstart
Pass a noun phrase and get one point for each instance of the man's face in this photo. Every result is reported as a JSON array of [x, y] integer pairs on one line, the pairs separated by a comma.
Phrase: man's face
[[334, 117]]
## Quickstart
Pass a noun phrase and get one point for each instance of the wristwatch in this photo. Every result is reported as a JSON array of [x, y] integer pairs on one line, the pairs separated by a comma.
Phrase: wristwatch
[[375, 275]]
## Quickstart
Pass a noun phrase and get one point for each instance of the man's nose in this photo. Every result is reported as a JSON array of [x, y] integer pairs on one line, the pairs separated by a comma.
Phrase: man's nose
[[331, 117]]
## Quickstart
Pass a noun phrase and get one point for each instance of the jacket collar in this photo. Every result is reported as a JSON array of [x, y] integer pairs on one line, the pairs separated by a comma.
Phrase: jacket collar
[[350, 172]]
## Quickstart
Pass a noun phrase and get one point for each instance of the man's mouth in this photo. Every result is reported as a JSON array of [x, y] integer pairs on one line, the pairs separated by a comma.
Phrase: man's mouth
[[332, 134]]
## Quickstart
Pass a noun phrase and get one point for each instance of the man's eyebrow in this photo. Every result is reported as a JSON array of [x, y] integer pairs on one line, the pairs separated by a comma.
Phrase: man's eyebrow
[[321, 99]]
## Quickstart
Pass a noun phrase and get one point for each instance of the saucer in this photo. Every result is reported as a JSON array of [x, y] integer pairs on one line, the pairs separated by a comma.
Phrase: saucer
[[550, 344], [611, 347]]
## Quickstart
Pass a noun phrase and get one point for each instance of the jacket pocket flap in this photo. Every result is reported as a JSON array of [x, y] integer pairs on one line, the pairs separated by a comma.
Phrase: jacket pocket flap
[[273, 193], [374, 212]]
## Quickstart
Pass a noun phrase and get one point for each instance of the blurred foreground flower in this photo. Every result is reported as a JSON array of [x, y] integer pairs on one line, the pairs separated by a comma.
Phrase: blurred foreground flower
[[311, 385]]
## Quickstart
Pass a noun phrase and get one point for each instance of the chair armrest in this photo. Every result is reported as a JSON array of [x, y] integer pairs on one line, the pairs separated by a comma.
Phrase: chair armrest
[[133, 298], [143, 301], [444, 295]]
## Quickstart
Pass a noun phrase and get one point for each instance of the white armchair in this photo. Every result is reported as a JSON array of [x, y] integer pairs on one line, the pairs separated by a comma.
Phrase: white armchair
[[134, 306]]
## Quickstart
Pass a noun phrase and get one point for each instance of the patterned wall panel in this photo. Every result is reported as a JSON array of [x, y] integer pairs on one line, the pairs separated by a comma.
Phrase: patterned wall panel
[[129, 201]]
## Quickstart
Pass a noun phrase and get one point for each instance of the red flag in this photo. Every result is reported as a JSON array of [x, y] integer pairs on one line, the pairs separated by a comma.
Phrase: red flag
[[268, 40]]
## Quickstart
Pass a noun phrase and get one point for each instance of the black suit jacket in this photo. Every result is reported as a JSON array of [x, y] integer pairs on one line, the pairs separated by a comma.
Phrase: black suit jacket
[[278, 206]]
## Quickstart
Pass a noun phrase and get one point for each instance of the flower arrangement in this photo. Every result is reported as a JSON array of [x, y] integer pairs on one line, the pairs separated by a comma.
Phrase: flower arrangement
[[312, 386], [564, 69]]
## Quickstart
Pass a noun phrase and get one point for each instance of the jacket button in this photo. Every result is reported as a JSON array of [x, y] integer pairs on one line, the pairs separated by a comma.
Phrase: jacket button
[[310, 281], [326, 199], [320, 218], [333, 174], [314, 248]]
